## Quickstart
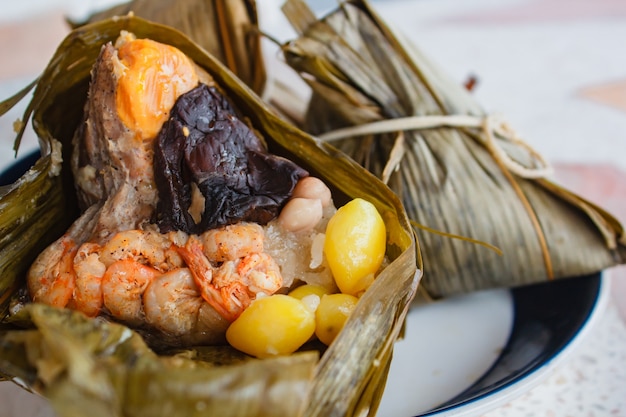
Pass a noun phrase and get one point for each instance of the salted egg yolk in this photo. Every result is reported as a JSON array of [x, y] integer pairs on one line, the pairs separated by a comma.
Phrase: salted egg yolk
[[154, 75]]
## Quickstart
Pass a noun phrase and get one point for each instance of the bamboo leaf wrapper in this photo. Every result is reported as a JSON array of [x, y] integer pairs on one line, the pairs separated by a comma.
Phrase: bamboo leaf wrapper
[[460, 170], [102, 368]]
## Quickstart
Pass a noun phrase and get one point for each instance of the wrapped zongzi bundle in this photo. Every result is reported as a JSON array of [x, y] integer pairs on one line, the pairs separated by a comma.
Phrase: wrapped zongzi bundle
[[181, 216], [463, 175]]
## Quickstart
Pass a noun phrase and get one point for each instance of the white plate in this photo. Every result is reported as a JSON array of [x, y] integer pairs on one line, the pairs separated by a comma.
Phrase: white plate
[[446, 348], [468, 355]]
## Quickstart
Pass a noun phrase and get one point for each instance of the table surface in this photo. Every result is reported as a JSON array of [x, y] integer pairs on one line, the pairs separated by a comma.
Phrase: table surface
[[556, 69]]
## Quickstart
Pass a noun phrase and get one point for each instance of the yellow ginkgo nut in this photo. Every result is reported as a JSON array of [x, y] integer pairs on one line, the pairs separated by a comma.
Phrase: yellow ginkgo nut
[[270, 326], [331, 315], [355, 245], [308, 289]]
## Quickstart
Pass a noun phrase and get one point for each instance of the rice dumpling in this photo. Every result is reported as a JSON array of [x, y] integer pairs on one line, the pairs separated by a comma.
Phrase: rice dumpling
[[103, 366], [459, 171]]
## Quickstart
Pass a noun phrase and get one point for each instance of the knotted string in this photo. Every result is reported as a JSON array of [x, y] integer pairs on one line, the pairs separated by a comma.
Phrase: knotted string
[[494, 128]]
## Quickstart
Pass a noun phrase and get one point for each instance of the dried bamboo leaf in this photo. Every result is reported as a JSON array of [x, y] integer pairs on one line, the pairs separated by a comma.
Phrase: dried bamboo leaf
[[225, 28], [105, 369], [465, 180], [32, 211], [10, 102]]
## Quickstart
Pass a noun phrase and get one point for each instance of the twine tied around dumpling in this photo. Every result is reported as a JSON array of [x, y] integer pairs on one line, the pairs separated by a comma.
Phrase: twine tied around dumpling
[[496, 132], [494, 127]]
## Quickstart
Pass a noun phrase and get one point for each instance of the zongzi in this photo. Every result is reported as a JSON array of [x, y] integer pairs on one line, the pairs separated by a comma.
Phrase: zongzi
[[464, 176], [100, 365]]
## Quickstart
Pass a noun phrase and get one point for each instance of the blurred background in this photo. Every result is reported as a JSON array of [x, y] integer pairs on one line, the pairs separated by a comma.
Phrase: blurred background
[[555, 69]]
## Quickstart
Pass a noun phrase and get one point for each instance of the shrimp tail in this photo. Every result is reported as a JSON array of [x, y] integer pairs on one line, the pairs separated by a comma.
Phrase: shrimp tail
[[236, 297]]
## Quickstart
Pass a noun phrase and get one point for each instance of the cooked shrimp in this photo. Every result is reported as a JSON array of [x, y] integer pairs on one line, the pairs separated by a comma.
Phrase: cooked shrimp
[[240, 248], [229, 305], [51, 279], [173, 304], [146, 247], [230, 287], [89, 272], [260, 273], [233, 241], [173, 282], [123, 285]]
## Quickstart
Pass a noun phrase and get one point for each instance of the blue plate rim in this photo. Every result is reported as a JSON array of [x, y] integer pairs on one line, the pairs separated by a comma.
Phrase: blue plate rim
[[506, 390]]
